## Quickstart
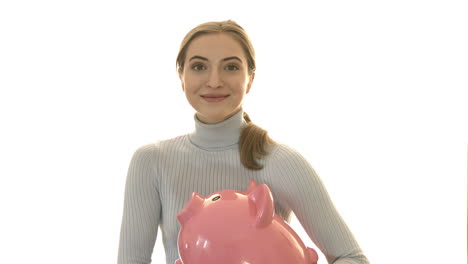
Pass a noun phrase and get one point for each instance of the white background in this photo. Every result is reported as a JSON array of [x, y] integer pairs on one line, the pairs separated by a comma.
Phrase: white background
[[372, 93]]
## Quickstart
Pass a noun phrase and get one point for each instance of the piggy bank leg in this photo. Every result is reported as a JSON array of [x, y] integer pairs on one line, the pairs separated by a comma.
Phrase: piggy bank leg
[[179, 261], [312, 254]]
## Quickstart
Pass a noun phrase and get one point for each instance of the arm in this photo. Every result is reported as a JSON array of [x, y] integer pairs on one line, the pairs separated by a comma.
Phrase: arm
[[142, 209], [310, 202]]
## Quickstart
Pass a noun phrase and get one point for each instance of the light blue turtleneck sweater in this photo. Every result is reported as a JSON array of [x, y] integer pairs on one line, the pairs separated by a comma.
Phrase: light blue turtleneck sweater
[[162, 177]]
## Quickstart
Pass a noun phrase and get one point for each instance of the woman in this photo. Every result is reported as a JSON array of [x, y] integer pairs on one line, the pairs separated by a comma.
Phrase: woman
[[216, 66]]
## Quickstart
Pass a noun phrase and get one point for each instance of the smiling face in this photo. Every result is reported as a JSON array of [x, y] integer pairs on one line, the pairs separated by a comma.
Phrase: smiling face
[[215, 77]]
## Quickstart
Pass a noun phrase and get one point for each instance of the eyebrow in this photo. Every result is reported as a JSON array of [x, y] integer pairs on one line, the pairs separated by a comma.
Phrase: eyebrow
[[225, 59]]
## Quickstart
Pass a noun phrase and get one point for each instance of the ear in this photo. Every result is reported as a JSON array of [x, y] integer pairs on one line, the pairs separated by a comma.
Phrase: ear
[[194, 205], [261, 198], [252, 185], [181, 81], [250, 82]]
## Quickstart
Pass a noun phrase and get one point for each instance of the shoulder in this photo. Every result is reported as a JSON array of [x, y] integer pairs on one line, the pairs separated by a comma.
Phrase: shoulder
[[144, 155], [160, 148], [285, 158], [285, 153], [289, 171]]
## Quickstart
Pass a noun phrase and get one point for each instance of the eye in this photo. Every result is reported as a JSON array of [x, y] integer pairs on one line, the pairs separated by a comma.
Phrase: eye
[[231, 67], [198, 67], [216, 198]]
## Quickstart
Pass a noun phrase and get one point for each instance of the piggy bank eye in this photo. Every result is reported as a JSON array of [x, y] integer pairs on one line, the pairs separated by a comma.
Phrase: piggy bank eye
[[216, 198]]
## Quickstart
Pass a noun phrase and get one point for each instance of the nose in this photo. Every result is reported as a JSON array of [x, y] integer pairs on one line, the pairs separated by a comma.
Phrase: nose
[[214, 79]]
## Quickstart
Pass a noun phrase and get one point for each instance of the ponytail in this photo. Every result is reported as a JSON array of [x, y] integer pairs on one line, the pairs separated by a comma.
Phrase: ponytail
[[252, 144]]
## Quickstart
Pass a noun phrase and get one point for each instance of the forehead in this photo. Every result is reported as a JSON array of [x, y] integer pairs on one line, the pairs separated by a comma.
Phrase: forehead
[[215, 46]]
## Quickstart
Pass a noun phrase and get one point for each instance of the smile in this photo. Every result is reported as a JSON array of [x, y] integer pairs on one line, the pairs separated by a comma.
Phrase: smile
[[214, 98]]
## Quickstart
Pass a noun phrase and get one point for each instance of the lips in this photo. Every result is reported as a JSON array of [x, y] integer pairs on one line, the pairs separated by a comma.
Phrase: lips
[[214, 97]]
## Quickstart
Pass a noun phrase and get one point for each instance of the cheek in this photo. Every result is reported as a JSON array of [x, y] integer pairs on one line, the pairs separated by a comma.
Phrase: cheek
[[243, 86], [237, 83], [192, 84]]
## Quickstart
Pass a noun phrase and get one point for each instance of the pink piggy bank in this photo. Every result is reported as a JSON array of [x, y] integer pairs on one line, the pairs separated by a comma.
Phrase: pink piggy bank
[[231, 227]]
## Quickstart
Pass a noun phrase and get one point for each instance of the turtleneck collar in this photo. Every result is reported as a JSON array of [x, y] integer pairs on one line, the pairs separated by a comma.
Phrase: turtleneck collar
[[217, 136]]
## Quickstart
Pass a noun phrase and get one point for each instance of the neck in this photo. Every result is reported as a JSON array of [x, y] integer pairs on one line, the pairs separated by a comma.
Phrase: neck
[[221, 135]]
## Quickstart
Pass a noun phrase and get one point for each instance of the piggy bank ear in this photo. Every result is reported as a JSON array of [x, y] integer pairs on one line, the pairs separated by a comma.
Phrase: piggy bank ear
[[192, 208], [261, 198], [252, 185]]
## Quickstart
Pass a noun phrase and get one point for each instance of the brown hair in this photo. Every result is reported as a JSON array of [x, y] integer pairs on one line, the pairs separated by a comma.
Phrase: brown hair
[[253, 140]]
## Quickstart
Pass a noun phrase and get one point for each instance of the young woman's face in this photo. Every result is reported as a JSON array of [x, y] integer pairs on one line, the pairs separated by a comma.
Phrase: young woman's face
[[215, 77]]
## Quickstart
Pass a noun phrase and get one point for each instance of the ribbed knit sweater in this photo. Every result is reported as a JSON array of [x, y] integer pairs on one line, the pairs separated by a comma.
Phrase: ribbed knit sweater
[[162, 177]]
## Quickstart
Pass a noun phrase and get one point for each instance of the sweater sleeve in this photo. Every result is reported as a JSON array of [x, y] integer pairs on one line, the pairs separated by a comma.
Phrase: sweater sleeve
[[142, 209], [313, 207]]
